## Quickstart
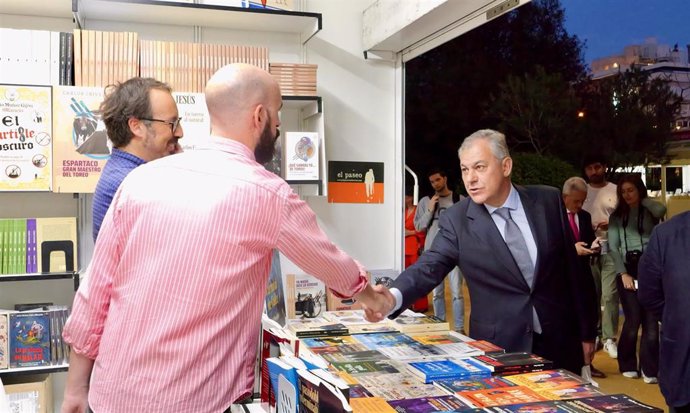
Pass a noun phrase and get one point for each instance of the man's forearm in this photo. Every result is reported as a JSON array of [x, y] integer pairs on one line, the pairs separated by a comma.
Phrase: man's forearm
[[76, 395]]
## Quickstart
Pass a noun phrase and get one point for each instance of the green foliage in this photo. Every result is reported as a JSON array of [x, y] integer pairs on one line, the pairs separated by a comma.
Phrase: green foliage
[[628, 117], [533, 169], [537, 111]]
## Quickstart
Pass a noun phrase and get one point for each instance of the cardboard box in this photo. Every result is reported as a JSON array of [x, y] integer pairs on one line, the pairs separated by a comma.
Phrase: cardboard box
[[30, 393]]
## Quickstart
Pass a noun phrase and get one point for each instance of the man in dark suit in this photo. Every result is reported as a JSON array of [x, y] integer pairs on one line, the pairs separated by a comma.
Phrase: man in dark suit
[[574, 195], [515, 248], [664, 284]]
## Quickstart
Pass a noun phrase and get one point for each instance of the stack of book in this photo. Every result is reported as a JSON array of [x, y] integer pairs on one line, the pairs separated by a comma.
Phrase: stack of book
[[434, 371], [295, 79]]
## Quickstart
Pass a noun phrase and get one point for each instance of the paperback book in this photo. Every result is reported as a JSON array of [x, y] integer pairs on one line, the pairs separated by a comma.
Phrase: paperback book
[[434, 370], [513, 363]]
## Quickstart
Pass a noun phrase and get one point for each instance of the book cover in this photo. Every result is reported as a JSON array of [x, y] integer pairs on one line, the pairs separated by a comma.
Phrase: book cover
[[548, 379], [196, 122], [278, 369], [517, 362], [576, 392], [367, 355], [428, 404], [371, 405], [546, 406], [30, 339], [417, 323], [332, 400], [397, 386], [315, 327], [413, 351], [31, 263], [612, 403], [308, 392], [56, 244], [81, 146], [377, 340], [486, 347], [301, 156], [287, 398], [342, 349], [479, 383], [433, 370], [500, 396], [275, 295], [26, 135], [356, 368], [319, 342], [306, 296], [4, 340]]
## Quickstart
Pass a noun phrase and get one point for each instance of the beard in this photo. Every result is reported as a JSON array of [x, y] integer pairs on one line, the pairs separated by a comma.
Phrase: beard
[[596, 179], [266, 147]]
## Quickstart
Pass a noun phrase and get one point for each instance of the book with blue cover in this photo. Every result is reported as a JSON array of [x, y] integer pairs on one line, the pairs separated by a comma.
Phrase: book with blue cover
[[460, 385], [278, 368], [434, 370], [30, 339]]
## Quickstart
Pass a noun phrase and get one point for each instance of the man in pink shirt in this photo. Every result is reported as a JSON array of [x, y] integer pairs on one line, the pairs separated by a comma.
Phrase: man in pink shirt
[[170, 318]]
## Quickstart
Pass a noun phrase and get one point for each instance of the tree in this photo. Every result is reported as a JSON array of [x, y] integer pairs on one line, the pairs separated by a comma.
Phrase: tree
[[446, 89], [537, 111], [629, 117]]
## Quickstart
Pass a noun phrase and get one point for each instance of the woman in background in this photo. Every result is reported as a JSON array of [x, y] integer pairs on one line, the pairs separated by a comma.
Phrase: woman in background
[[630, 226], [414, 241]]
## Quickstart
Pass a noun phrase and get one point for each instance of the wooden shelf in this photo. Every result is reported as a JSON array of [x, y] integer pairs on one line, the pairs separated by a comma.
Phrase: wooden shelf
[[42, 276], [36, 370], [311, 105], [204, 15]]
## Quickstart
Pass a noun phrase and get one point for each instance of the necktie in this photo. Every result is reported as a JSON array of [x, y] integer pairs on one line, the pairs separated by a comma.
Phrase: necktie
[[518, 249], [573, 226]]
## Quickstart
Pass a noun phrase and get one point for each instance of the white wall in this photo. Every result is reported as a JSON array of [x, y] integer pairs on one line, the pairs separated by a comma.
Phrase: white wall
[[359, 106]]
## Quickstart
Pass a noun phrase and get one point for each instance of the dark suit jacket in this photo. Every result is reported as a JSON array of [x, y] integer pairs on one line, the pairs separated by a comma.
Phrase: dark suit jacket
[[501, 300], [587, 236], [664, 286]]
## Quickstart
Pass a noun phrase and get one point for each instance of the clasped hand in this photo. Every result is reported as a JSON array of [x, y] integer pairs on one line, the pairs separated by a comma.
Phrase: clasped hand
[[377, 301]]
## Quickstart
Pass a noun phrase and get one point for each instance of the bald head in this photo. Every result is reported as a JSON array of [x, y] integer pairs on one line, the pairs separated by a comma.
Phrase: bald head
[[243, 103]]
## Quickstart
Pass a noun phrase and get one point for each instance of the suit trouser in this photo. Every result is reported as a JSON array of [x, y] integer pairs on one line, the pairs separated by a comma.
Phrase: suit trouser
[[604, 273], [636, 316], [439, 299], [679, 409]]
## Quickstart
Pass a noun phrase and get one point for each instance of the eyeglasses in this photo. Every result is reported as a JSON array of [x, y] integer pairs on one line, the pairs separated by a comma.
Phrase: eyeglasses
[[173, 124]]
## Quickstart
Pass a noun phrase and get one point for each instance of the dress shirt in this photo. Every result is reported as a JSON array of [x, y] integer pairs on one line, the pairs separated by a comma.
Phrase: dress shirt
[[172, 311], [119, 165]]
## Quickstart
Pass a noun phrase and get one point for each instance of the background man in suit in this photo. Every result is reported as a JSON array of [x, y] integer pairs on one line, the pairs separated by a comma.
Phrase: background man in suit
[[574, 195], [664, 283], [515, 249]]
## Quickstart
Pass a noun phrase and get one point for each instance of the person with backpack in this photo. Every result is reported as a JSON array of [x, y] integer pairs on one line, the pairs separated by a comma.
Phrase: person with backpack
[[426, 219]]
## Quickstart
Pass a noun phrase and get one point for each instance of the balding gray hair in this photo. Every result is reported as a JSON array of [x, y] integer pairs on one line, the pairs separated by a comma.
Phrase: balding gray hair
[[496, 140], [574, 183]]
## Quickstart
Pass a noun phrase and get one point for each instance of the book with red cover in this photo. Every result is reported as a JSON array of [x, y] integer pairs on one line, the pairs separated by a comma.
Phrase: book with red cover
[[513, 363]]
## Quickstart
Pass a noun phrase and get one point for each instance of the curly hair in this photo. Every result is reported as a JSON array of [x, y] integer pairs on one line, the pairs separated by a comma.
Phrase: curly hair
[[124, 100]]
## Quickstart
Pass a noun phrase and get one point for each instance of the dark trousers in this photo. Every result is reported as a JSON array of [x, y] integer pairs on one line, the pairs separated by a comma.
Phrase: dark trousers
[[679, 409], [636, 316]]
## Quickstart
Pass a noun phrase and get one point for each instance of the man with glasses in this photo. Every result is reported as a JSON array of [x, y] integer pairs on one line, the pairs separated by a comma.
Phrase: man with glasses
[[143, 123]]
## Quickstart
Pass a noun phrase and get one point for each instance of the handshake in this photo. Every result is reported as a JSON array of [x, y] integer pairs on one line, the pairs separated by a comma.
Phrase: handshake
[[377, 302]]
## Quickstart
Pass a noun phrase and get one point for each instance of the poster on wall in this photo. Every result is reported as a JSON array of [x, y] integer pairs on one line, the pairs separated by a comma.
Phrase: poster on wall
[[355, 182], [81, 146], [25, 138], [196, 123], [301, 156]]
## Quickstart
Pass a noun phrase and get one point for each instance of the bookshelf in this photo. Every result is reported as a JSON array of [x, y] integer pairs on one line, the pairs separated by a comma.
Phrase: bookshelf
[[36, 370], [74, 276], [203, 15]]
